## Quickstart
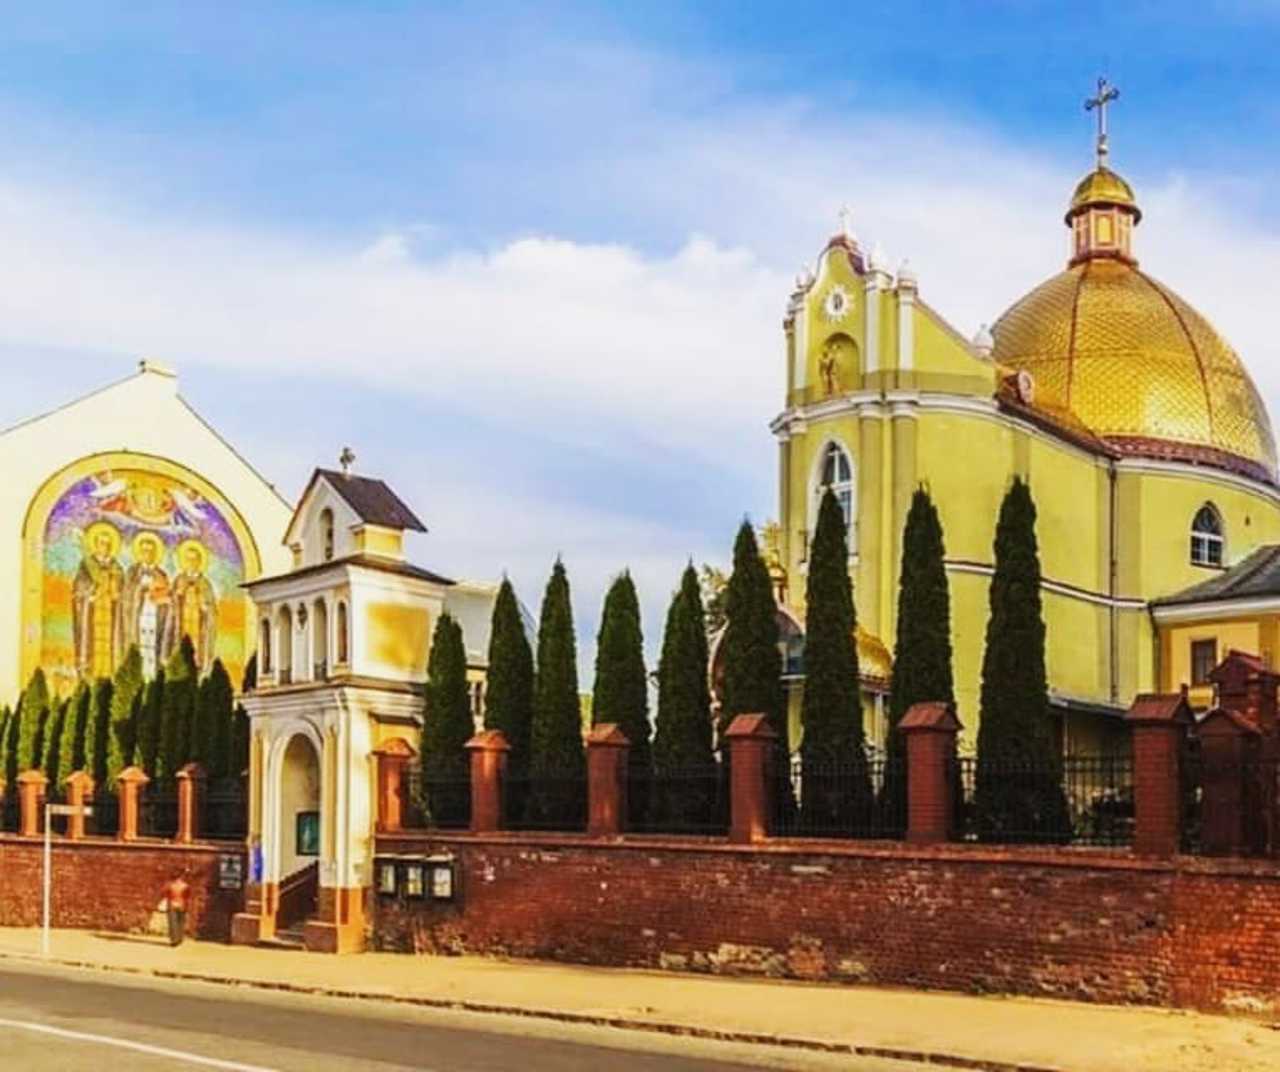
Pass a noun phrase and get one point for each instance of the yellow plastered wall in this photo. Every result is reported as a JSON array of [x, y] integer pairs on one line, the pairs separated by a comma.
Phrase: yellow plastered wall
[[396, 637], [1243, 634]]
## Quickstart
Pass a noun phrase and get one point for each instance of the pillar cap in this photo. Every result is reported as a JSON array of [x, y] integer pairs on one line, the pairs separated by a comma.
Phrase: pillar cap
[[1223, 722], [34, 776], [937, 716], [81, 778], [191, 770], [1160, 709], [608, 735], [489, 741], [133, 776], [756, 726], [398, 748]]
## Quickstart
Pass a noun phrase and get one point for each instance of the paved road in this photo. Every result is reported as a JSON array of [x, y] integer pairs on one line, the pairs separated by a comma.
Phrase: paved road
[[58, 1019]]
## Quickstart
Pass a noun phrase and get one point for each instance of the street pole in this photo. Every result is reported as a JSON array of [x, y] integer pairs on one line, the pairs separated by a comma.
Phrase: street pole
[[48, 878]]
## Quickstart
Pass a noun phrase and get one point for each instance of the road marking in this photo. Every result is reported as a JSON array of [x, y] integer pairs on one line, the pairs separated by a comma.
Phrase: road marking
[[137, 1047]]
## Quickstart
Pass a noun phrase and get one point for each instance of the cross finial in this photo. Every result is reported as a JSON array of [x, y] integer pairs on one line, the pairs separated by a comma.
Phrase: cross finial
[[1106, 94], [347, 459], [846, 221]]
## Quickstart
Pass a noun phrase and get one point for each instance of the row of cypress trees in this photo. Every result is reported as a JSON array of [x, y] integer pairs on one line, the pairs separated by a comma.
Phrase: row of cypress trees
[[102, 728], [539, 712]]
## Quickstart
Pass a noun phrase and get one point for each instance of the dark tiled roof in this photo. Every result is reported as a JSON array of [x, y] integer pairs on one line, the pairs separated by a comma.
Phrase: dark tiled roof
[[1258, 575], [376, 503], [373, 562]]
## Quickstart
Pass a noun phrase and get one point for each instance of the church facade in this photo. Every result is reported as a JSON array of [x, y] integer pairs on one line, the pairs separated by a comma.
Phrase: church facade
[[132, 522], [1147, 448]]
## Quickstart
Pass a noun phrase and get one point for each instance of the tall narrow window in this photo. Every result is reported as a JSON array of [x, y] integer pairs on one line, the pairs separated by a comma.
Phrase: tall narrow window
[[342, 653], [264, 646], [1204, 657], [1206, 537], [837, 474], [326, 532]]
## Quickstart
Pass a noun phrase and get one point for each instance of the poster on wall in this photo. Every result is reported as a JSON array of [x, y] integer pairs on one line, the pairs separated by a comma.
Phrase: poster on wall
[[132, 557]]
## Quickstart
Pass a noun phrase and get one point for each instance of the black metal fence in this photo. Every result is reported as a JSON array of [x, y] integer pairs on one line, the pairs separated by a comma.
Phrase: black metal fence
[[9, 816], [435, 803], [158, 811], [1078, 800], [682, 801], [855, 798], [1247, 797], [553, 801], [226, 811]]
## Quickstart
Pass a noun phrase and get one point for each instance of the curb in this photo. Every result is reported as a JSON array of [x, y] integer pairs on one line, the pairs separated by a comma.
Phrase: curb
[[625, 1023]]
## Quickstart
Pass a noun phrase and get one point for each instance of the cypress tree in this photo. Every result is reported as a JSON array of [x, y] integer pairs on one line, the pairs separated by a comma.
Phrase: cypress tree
[[752, 662], [179, 711], [249, 679], [508, 704], [81, 706], [621, 691], [151, 726], [217, 703], [1018, 792], [6, 724], [446, 728], [121, 740], [100, 717], [922, 650], [33, 710], [12, 728], [55, 767], [835, 785], [557, 765], [684, 762]]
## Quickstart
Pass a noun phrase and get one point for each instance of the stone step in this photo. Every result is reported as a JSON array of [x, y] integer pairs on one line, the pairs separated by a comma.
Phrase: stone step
[[286, 939]]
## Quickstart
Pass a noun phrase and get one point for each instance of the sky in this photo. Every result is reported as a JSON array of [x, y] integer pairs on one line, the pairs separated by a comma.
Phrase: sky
[[530, 260]]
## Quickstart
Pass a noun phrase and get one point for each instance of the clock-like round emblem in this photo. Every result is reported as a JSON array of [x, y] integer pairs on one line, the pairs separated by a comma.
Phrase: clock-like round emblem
[[837, 303]]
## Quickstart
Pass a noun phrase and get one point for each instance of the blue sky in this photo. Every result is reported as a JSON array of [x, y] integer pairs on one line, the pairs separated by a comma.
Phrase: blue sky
[[530, 261]]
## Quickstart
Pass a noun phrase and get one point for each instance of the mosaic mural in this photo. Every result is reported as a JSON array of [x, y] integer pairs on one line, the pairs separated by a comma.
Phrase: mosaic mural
[[132, 557]]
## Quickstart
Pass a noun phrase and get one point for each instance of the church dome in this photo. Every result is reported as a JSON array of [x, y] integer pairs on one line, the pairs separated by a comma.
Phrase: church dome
[[1131, 360]]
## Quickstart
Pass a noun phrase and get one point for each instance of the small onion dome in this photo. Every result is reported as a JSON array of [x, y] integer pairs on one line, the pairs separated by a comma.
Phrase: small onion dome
[[907, 276], [878, 260], [983, 341], [1102, 186]]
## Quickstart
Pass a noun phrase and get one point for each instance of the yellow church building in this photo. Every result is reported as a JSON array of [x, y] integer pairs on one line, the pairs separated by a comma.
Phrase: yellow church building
[[1147, 448]]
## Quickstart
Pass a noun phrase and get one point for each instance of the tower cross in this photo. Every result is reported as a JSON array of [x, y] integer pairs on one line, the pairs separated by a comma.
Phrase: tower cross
[[846, 221], [347, 459], [1106, 94]]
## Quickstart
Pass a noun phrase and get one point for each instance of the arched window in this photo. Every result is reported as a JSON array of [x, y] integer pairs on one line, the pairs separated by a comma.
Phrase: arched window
[[343, 654], [320, 639], [326, 533], [264, 646], [284, 638], [1206, 537], [835, 471]]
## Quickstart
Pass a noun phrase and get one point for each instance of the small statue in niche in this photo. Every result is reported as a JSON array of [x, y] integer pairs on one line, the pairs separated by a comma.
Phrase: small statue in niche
[[829, 367]]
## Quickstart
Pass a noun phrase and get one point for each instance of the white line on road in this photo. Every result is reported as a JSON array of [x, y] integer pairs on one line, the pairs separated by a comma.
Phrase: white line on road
[[137, 1047]]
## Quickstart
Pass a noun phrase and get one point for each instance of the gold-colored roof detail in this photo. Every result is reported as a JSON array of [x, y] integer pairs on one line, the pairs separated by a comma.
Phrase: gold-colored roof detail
[[1102, 186], [874, 660], [1138, 366]]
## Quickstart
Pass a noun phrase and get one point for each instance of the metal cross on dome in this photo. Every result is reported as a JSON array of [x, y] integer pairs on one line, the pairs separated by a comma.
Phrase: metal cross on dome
[[347, 459], [846, 221], [1106, 94]]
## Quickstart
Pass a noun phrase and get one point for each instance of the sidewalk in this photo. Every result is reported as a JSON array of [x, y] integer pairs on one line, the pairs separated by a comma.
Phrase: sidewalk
[[1009, 1032]]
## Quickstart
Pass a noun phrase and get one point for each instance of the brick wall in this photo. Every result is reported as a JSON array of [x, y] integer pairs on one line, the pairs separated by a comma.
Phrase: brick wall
[[1068, 923], [109, 885]]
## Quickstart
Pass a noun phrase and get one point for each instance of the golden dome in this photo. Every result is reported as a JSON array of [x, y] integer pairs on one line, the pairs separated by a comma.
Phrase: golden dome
[[1139, 368], [1102, 186]]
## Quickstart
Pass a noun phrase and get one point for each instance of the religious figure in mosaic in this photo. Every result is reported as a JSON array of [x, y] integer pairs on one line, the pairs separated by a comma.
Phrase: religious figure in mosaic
[[97, 603], [194, 612], [147, 595]]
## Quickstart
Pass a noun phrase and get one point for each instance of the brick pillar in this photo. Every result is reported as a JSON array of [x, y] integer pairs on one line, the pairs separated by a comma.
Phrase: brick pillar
[[31, 795], [393, 760], [751, 743], [930, 730], [1229, 745], [1159, 724], [79, 793], [130, 785], [607, 751], [191, 783], [488, 768]]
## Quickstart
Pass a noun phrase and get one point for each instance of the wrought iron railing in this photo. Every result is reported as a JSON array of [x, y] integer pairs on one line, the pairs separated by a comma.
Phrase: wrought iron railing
[[436, 803], [689, 800], [553, 801], [838, 798], [226, 811]]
